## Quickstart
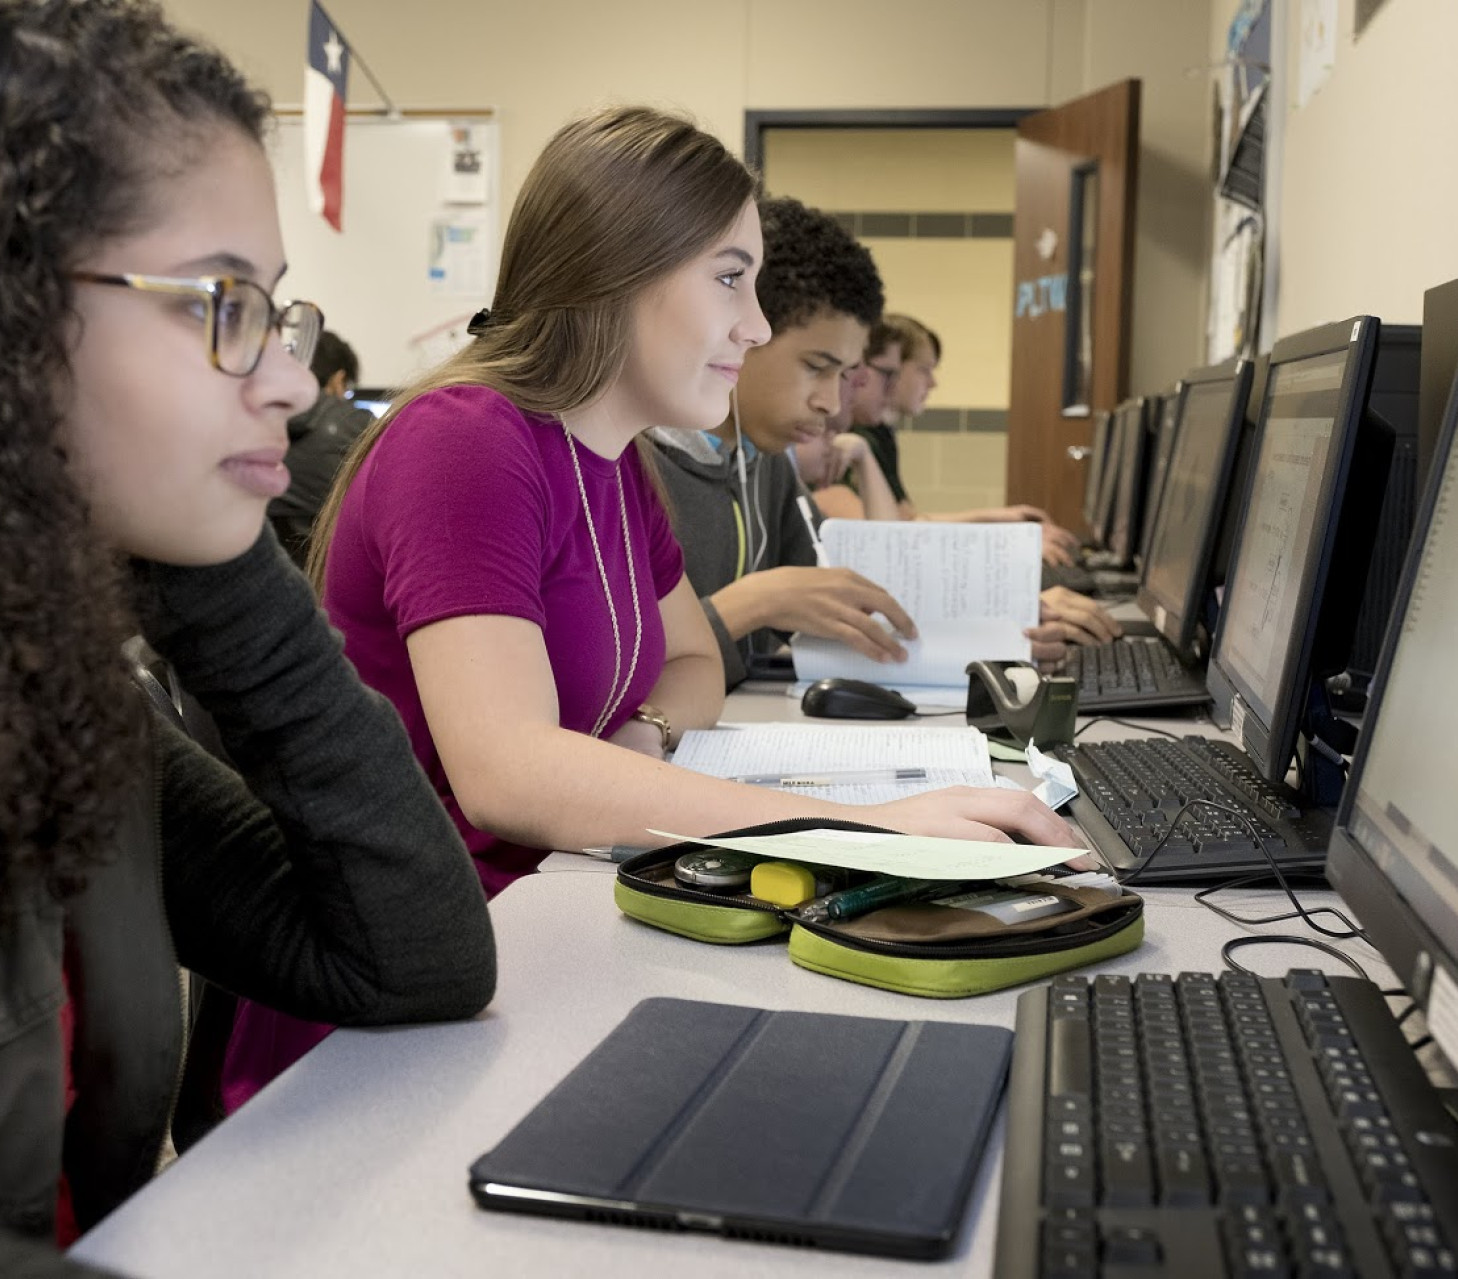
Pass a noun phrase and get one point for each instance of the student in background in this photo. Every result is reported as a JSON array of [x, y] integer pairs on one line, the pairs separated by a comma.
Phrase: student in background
[[319, 438], [843, 475], [147, 382], [902, 359], [733, 494]]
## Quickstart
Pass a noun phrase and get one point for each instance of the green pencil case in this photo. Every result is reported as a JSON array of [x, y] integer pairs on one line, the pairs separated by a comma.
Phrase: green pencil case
[[920, 948]]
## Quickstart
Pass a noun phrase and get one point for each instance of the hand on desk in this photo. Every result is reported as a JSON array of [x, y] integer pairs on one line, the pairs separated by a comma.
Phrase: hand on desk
[[1066, 617], [971, 812]]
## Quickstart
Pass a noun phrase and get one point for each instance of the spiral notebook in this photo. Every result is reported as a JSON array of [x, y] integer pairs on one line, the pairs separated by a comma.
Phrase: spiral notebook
[[852, 1133]]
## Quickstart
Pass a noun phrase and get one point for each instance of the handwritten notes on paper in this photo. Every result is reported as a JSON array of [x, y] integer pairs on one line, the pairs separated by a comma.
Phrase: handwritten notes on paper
[[972, 590]]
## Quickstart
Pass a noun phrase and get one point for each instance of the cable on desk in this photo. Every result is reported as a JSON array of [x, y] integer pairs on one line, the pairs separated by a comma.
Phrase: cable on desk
[[1228, 950], [1126, 723], [1298, 911]]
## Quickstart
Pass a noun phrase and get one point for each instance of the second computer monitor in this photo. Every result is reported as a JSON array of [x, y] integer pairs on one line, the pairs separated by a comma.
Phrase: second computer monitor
[[1318, 480], [1196, 491]]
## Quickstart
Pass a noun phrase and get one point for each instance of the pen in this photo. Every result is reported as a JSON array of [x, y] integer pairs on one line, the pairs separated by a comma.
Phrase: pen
[[887, 890], [821, 558], [833, 778], [614, 852]]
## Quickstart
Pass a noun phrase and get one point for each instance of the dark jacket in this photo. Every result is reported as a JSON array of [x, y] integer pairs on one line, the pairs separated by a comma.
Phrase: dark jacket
[[318, 440], [322, 877], [715, 525]]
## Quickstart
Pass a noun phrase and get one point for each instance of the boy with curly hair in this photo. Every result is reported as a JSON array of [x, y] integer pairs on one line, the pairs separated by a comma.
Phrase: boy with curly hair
[[733, 494]]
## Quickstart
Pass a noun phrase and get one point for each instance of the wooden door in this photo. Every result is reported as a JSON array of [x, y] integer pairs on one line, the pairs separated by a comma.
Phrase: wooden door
[[1073, 289]]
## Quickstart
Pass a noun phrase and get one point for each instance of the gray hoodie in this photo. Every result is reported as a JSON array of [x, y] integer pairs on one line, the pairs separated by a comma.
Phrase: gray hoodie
[[701, 475]]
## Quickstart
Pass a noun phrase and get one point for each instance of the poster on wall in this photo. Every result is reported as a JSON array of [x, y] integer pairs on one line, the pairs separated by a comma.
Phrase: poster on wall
[[459, 256]]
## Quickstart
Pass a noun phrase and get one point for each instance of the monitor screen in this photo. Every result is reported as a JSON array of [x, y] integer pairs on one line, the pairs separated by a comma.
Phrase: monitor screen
[[1398, 834], [1132, 452], [1093, 484], [373, 399], [1287, 517], [1181, 545], [1108, 481], [1164, 437]]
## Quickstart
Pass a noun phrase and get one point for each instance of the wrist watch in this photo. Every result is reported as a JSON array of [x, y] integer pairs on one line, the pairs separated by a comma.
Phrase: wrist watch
[[652, 715]]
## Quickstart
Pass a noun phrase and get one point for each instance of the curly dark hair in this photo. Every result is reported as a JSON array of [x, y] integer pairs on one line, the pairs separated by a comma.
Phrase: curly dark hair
[[98, 98], [812, 266]]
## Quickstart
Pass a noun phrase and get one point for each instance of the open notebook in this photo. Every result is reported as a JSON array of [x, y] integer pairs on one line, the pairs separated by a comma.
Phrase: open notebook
[[741, 750], [971, 589]]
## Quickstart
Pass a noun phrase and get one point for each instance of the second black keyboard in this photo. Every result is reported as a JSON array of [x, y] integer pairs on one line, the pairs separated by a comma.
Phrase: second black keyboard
[[1130, 794], [1134, 672]]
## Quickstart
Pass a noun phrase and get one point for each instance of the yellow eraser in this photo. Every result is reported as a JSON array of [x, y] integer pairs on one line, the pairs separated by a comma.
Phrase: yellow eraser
[[782, 883]]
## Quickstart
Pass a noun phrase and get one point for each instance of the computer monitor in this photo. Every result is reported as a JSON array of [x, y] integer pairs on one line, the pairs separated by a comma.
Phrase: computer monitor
[[1439, 366], [1163, 425], [1394, 854], [1093, 486], [1130, 455], [374, 399], [1209, 415], [1287, 619]]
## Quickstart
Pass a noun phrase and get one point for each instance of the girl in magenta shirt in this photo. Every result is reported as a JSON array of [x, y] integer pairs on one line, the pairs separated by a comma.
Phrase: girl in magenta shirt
[[496, 553]]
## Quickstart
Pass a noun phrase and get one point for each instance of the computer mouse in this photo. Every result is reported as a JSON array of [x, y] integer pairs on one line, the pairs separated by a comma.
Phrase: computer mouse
[[854, 699]]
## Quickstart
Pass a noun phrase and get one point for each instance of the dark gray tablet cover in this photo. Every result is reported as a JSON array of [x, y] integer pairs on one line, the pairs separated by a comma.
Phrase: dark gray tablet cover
[[808, 1128]]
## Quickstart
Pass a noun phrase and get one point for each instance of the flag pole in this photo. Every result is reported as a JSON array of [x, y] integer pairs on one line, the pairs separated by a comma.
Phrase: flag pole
[[391, 110]]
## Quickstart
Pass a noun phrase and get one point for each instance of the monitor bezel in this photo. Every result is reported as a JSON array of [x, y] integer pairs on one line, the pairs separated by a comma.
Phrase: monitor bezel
[[1178, 621], [1272, 745], [1119, 424], [1405, 939]]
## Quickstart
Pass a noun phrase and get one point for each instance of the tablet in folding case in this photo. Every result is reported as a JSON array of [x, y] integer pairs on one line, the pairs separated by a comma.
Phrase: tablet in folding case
[[852, 1133]]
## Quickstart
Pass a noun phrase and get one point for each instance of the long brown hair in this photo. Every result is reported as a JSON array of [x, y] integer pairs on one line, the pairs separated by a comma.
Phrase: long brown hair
[[98, 99], [616, 201]]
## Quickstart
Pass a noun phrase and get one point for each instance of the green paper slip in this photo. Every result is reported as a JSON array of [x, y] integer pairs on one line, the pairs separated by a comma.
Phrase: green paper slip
[[1002, 751], [911, 856]]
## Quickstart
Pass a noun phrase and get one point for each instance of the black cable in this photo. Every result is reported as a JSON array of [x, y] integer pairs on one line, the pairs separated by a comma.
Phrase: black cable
[[1126, 723], [1407, 1012], [1418, 1044], [934, 714], [1285, 939], [1298, 910]]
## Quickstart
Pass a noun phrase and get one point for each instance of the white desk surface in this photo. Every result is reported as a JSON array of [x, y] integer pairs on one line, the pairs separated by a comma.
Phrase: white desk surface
[[353, 1163]]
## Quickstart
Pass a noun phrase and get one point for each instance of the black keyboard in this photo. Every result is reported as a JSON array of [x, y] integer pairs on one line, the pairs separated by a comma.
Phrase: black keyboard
[[1131, 792], [1233, 1126], [1100, 582], [1134, 672]]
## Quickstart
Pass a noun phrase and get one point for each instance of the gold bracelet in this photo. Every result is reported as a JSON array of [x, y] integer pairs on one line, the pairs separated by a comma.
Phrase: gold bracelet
[[652, 715]]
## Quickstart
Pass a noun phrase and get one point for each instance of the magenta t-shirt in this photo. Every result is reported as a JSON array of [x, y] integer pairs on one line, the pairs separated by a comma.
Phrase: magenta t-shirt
[[467, 505]]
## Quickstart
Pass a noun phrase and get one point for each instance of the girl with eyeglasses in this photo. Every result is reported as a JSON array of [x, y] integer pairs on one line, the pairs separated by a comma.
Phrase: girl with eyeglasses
[[146, 376]]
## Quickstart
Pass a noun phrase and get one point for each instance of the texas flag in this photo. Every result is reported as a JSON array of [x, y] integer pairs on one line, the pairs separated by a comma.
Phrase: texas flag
[[324, 94]]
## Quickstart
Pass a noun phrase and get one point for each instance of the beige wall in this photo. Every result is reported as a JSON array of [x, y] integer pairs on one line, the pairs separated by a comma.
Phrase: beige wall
[[1370, 180], [541, 61], [962, 288]]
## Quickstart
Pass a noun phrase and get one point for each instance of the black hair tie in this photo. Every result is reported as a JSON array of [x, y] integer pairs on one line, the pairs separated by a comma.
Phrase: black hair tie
[[479, 322]]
